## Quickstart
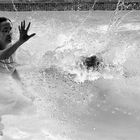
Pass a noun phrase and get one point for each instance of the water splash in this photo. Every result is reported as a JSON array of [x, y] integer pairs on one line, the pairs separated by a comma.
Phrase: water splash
[[77, 28], [84, 43], [14, 6], [58, 96], [117, 17]]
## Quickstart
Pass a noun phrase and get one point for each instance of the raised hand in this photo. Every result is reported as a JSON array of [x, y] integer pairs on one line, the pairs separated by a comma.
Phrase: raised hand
[[24, 32]]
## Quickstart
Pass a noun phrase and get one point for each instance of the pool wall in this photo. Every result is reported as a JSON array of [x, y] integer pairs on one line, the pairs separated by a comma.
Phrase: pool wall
[[76, 5]]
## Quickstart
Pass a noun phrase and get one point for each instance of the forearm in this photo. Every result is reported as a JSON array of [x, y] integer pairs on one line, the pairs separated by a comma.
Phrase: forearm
[[6, 53]]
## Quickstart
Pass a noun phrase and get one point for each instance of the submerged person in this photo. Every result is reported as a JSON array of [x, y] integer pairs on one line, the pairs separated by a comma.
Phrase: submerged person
[[92, 62], [10, 100]]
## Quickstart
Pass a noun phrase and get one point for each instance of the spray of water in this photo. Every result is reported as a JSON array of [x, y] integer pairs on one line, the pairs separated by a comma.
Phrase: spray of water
[[65, 89], [79, 44], [117, 17], [14, 7], [76, 29]]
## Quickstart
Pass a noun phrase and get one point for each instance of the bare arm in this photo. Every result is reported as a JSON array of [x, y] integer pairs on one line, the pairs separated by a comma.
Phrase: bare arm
[[6, 53]]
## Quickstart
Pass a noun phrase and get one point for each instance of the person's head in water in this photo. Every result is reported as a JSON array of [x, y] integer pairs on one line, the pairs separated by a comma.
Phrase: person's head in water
[[5, 31], [91, 62]]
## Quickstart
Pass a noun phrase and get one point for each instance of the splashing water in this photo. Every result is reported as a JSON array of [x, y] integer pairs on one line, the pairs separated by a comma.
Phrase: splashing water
[[73, 103], [84, 43]]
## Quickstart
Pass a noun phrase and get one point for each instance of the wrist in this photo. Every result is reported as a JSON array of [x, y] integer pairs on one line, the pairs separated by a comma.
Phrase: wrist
[[20, 42]]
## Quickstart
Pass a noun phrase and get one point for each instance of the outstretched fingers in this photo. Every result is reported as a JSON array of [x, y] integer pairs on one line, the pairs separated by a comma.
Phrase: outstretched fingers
[[32, 35], [28, 27], [22, 25], [24, 31]]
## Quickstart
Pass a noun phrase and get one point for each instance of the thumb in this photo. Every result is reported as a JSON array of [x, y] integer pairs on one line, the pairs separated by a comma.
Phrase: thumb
[[32, 35]]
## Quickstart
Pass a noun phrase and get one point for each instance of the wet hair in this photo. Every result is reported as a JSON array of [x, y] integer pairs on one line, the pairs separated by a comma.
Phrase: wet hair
[[2, 19], [91, 62]]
